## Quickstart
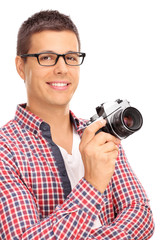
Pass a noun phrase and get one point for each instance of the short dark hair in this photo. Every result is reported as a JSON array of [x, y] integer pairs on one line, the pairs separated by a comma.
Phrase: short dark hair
[[43, 20]]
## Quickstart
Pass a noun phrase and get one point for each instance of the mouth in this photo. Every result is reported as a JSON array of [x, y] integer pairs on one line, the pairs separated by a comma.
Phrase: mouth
[[58, 85]]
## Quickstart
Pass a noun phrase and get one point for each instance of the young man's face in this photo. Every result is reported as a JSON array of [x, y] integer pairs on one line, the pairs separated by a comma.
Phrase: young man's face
[[43, 83]]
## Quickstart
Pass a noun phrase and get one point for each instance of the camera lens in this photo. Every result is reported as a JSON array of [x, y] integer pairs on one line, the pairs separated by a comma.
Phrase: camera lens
[[125, 122], [128, 121], [132, 118]]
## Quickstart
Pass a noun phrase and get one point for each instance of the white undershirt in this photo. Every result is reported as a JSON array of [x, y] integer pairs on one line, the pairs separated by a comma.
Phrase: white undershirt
[[74, 165]]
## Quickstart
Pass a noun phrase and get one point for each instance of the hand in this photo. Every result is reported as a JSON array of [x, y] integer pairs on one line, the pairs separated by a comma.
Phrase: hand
[[99, 153]]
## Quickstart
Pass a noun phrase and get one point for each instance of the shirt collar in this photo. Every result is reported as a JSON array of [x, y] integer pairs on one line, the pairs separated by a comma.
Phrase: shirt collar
[[32, 123], [78, 123], [28, 120]]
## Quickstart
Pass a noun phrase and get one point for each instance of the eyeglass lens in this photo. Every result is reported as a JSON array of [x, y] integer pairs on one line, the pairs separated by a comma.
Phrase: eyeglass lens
[[47, 59]]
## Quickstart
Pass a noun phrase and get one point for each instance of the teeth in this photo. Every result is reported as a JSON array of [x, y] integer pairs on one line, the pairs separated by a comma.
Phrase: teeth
[[59, 84]]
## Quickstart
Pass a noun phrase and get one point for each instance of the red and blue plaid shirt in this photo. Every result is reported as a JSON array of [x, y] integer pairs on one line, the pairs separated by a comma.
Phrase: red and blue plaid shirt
[[36, 200]]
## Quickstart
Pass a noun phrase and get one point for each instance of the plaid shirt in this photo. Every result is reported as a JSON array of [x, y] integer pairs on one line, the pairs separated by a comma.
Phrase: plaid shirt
[[36, 201]]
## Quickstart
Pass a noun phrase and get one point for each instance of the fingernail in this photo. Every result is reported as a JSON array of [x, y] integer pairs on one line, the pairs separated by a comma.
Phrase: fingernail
[[103, 121]]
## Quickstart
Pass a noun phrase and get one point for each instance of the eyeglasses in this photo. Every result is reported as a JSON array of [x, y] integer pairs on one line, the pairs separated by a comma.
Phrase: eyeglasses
[[50, 58]]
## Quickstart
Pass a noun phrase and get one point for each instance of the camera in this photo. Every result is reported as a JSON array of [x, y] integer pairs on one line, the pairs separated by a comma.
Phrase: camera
[[122, 119]]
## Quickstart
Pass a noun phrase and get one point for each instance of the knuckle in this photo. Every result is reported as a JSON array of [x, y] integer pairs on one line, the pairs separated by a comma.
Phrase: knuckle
[[113, 162], [102, 134], [85, 150], [108, 136], [115, 154], [112, 138], [111, 158], [88, 130], [112, 145], [95, 126], [99, 124], [88, 151]]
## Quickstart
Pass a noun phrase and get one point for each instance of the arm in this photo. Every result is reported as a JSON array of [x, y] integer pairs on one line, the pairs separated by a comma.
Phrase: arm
[[19, 210], [132, 217], [20, 217]]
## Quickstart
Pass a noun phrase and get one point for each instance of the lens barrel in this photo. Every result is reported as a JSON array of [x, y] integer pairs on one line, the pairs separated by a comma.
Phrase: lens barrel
[[127, 121]]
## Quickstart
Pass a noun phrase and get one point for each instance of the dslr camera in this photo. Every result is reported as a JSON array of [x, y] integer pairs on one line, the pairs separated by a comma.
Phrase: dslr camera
[[122, 119]]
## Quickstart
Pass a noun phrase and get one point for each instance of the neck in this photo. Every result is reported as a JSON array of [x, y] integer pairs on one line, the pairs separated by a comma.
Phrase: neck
[[56, 117], [59, 120]]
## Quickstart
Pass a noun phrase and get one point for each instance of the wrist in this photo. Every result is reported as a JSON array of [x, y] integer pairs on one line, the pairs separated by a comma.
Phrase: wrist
[[96, 184]]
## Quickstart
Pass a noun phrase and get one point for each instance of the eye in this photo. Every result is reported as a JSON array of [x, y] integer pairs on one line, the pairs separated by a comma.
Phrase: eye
[[72, 57], [47, 58]]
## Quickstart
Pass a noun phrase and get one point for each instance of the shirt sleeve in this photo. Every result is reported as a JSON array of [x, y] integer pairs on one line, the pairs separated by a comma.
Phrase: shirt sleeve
[[132, 214], [20, 215], [74, 219]]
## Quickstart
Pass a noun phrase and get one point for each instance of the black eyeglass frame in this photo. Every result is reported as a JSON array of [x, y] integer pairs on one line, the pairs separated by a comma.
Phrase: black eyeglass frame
[[58, 56]]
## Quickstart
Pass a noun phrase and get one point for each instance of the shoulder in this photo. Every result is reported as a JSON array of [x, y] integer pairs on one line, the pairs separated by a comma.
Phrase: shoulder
[[8, 131]]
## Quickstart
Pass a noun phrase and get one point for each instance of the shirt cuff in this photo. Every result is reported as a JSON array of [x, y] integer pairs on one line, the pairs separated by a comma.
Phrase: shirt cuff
[[87, 198]]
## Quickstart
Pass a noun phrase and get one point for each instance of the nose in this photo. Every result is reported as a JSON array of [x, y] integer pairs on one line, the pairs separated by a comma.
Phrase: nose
[[61, 66]]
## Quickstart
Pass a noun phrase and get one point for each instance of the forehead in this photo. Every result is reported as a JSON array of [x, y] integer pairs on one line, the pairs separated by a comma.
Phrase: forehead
[[57, 41]]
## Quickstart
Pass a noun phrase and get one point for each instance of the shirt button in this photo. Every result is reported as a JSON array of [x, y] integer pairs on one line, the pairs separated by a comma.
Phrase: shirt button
[[98, 206], [64, 173], [45, 128]]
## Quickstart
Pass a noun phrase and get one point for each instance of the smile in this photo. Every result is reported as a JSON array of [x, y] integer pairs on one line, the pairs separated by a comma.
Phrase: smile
[[59, 85]]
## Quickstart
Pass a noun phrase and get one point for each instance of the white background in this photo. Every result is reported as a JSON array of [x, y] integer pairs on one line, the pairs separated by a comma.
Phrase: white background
[[122, 42]]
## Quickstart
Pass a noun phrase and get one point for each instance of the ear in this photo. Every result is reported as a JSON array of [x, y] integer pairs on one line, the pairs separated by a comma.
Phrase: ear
[[20, 66]]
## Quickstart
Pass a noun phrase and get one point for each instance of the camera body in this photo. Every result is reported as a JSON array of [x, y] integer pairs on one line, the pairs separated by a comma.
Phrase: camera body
[[122, 119]]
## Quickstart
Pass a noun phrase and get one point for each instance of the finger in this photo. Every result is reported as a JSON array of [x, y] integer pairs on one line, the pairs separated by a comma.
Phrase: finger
[[109, 147], [104, 137], [111, 155], [91, 130]]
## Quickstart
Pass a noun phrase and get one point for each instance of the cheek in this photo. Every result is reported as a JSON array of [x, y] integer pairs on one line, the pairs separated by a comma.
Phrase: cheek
[[33, 77], [76, 75], [32, 83]]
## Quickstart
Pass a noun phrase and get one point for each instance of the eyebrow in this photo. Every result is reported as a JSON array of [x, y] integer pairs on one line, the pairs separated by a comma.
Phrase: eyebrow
[[49, 51]]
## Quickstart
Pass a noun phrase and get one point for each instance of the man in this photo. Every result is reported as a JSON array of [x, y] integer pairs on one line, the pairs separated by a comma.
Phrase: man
[[50, 189]]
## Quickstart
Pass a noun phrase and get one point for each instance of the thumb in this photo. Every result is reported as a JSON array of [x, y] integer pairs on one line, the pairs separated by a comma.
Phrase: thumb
[[91, 130]]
